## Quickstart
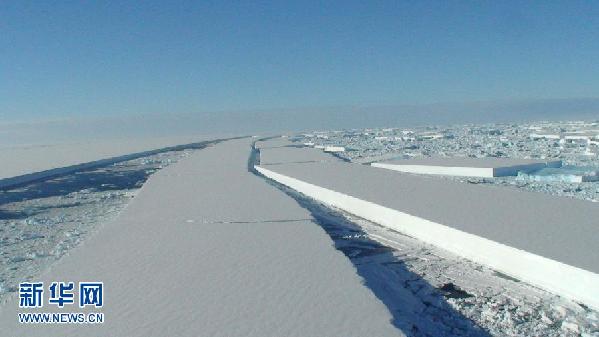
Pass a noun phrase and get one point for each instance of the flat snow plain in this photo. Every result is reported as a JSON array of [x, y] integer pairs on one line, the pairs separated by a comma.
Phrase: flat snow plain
[[209, 249], [25, 159]]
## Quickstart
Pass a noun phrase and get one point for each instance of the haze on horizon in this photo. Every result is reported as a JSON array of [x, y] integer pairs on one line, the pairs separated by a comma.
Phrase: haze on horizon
[[107, 69]]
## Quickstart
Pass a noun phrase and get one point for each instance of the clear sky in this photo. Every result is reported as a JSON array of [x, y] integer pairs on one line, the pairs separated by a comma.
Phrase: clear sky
[[102, 58]]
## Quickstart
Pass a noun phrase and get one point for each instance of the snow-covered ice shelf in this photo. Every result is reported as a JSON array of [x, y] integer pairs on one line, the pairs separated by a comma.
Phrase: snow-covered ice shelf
[[467, 166], [26, 163], [214, 250], [42, 221], [515, 232]]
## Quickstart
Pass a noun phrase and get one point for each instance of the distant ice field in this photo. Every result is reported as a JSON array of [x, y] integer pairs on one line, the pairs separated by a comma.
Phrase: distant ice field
[[24, 159]]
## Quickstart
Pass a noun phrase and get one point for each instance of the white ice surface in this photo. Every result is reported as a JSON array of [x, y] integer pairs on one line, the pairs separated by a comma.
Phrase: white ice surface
[[209, 249], [530, 221], [439, 170], [529, 236], [279, 155], [273, 143], [487, 162], [465, 166], [17, 160]]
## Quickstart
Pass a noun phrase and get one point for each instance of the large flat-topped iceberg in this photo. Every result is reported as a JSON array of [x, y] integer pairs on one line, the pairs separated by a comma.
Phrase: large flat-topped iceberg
[[279, 155], [466, 166], [275, 151], [545, 240], [210, 249], [273, 143]]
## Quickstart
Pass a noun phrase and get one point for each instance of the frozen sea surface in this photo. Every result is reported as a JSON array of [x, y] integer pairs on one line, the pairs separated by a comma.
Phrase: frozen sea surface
[[41, 221]]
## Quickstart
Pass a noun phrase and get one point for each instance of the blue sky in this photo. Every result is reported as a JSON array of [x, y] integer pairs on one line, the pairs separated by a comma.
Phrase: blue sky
[[93, 58]]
